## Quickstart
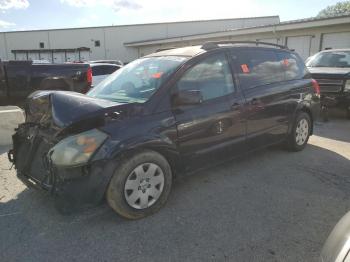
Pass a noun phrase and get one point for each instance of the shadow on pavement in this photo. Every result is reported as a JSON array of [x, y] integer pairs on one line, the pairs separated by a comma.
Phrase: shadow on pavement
[[337, 128], [271, 205], [4, 149]]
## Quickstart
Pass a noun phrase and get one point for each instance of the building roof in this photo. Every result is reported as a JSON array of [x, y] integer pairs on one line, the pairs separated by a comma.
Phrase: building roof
[[292, 24], [156, 23]]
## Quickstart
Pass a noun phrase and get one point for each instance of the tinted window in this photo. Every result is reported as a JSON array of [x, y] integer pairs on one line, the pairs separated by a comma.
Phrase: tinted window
[[212, 77], [103, 70], [293, 67], [330, 59], [257, 67], [136, 82]]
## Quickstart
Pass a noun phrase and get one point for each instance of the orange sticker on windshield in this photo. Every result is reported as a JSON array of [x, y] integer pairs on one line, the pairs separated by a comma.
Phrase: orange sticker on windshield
[[157, 75], [245, 68]]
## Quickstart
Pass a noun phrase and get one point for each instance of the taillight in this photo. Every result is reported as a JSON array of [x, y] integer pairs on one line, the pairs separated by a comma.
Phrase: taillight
[[316, 86], [89, 76]]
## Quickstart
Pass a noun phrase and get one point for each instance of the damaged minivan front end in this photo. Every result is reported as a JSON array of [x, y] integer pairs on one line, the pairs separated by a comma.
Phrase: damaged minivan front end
[[60, 147]]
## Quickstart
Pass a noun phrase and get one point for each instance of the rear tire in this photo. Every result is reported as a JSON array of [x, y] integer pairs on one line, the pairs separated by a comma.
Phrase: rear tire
[[140, 185], [300, 133]]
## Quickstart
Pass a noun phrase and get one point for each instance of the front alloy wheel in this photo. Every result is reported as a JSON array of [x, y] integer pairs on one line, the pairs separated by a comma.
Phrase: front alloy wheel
[[140, 185], [144, 186]]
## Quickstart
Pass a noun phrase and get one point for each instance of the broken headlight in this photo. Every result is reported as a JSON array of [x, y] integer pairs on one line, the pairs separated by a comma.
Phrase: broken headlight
[[78, 149]]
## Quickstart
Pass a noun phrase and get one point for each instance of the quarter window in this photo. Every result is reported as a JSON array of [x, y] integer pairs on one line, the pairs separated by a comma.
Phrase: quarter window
[[258, 67], [293, 67], [212, 77]]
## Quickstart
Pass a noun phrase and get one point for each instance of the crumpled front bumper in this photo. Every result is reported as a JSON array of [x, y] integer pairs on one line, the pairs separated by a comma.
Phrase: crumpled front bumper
[[71, 187]]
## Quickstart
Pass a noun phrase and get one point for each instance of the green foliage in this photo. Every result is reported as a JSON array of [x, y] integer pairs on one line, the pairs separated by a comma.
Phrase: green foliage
[[334, 10]]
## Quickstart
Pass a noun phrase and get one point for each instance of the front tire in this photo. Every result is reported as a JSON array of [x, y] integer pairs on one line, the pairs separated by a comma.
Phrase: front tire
[[300, 134], [140, 185]]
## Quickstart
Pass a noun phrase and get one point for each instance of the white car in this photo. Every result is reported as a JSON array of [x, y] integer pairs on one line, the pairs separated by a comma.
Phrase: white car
[[337, 246], [101, 70]]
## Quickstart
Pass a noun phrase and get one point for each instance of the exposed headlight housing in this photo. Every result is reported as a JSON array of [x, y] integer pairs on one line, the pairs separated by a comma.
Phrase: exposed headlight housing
[[78, 149], [347, 86]]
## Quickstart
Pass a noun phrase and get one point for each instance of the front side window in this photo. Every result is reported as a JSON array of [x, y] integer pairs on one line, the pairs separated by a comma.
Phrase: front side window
[[136, 82], [330, 59], [212, 77], [258, 68]]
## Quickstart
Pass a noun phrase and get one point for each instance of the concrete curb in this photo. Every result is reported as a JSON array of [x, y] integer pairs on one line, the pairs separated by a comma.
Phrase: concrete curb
[[10, 118]]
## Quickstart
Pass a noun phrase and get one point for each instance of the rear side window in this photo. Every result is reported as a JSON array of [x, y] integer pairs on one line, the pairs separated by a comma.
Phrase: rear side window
[[257, 67], [212, 77], [293, 67]]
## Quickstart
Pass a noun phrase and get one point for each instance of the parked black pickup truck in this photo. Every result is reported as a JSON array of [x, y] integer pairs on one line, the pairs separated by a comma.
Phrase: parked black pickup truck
[[18, 79], [331, 69]]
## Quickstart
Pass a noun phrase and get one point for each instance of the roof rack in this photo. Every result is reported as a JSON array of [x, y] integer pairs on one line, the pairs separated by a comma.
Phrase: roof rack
[[165, 49], [215, 44]]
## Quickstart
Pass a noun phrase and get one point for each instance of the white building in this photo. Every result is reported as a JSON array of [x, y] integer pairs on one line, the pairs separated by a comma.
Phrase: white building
[[128, 42], [107, 42]]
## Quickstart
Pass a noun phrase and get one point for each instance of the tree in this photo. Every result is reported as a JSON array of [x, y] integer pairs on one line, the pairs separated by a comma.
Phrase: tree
[[339, 8]]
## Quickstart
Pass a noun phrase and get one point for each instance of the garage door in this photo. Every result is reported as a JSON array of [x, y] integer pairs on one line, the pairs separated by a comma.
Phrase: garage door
[[71, 57], [21, 56], [300, 44], [46, 56], [33, 55], [84, 55], [59, 57], [336, 40]]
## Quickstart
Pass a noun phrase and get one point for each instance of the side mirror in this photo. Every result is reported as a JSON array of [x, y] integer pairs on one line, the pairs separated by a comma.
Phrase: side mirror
[[187, 97]]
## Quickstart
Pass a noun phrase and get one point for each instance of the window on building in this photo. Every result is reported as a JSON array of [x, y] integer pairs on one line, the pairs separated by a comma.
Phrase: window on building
[[97, 43], [41, 45]]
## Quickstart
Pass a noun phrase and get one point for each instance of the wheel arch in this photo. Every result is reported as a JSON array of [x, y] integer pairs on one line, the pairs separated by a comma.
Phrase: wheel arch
[[305, 109], [167, 150]]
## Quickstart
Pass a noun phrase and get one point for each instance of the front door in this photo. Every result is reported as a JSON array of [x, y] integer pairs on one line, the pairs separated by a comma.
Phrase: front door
[[213, 130]]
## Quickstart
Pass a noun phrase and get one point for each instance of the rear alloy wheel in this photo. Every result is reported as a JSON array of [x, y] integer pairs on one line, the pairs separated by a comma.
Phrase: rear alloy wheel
[[140, 185], [300, 134]]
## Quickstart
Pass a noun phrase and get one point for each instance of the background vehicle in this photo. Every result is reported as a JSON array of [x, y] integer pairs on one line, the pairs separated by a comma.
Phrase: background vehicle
[[100, 71], [173, 111], [20, 78], [331, 69], [115, 62], [337, 246]]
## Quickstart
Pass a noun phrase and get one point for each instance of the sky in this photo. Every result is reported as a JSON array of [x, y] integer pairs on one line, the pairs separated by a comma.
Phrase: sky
[[47, 14]]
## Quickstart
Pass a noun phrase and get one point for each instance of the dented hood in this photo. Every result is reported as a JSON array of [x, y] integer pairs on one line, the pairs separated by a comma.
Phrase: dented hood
[[64, 109]]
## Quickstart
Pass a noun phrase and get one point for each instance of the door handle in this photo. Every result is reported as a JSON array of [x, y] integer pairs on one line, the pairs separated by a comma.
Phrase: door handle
[[254, 102], [235, 106]]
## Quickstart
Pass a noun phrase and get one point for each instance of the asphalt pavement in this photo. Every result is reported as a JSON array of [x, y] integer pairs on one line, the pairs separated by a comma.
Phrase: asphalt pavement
[[271, 205]]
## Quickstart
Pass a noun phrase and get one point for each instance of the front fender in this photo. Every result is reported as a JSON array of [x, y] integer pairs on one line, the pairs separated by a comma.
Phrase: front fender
[[114, 149], [312, 107]]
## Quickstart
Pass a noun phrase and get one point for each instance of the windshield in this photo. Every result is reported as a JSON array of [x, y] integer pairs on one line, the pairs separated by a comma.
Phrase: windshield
[[330, 59], [137, 81]]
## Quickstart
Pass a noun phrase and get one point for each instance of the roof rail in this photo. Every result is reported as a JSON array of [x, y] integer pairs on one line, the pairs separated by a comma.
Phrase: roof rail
[[215, 44]]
